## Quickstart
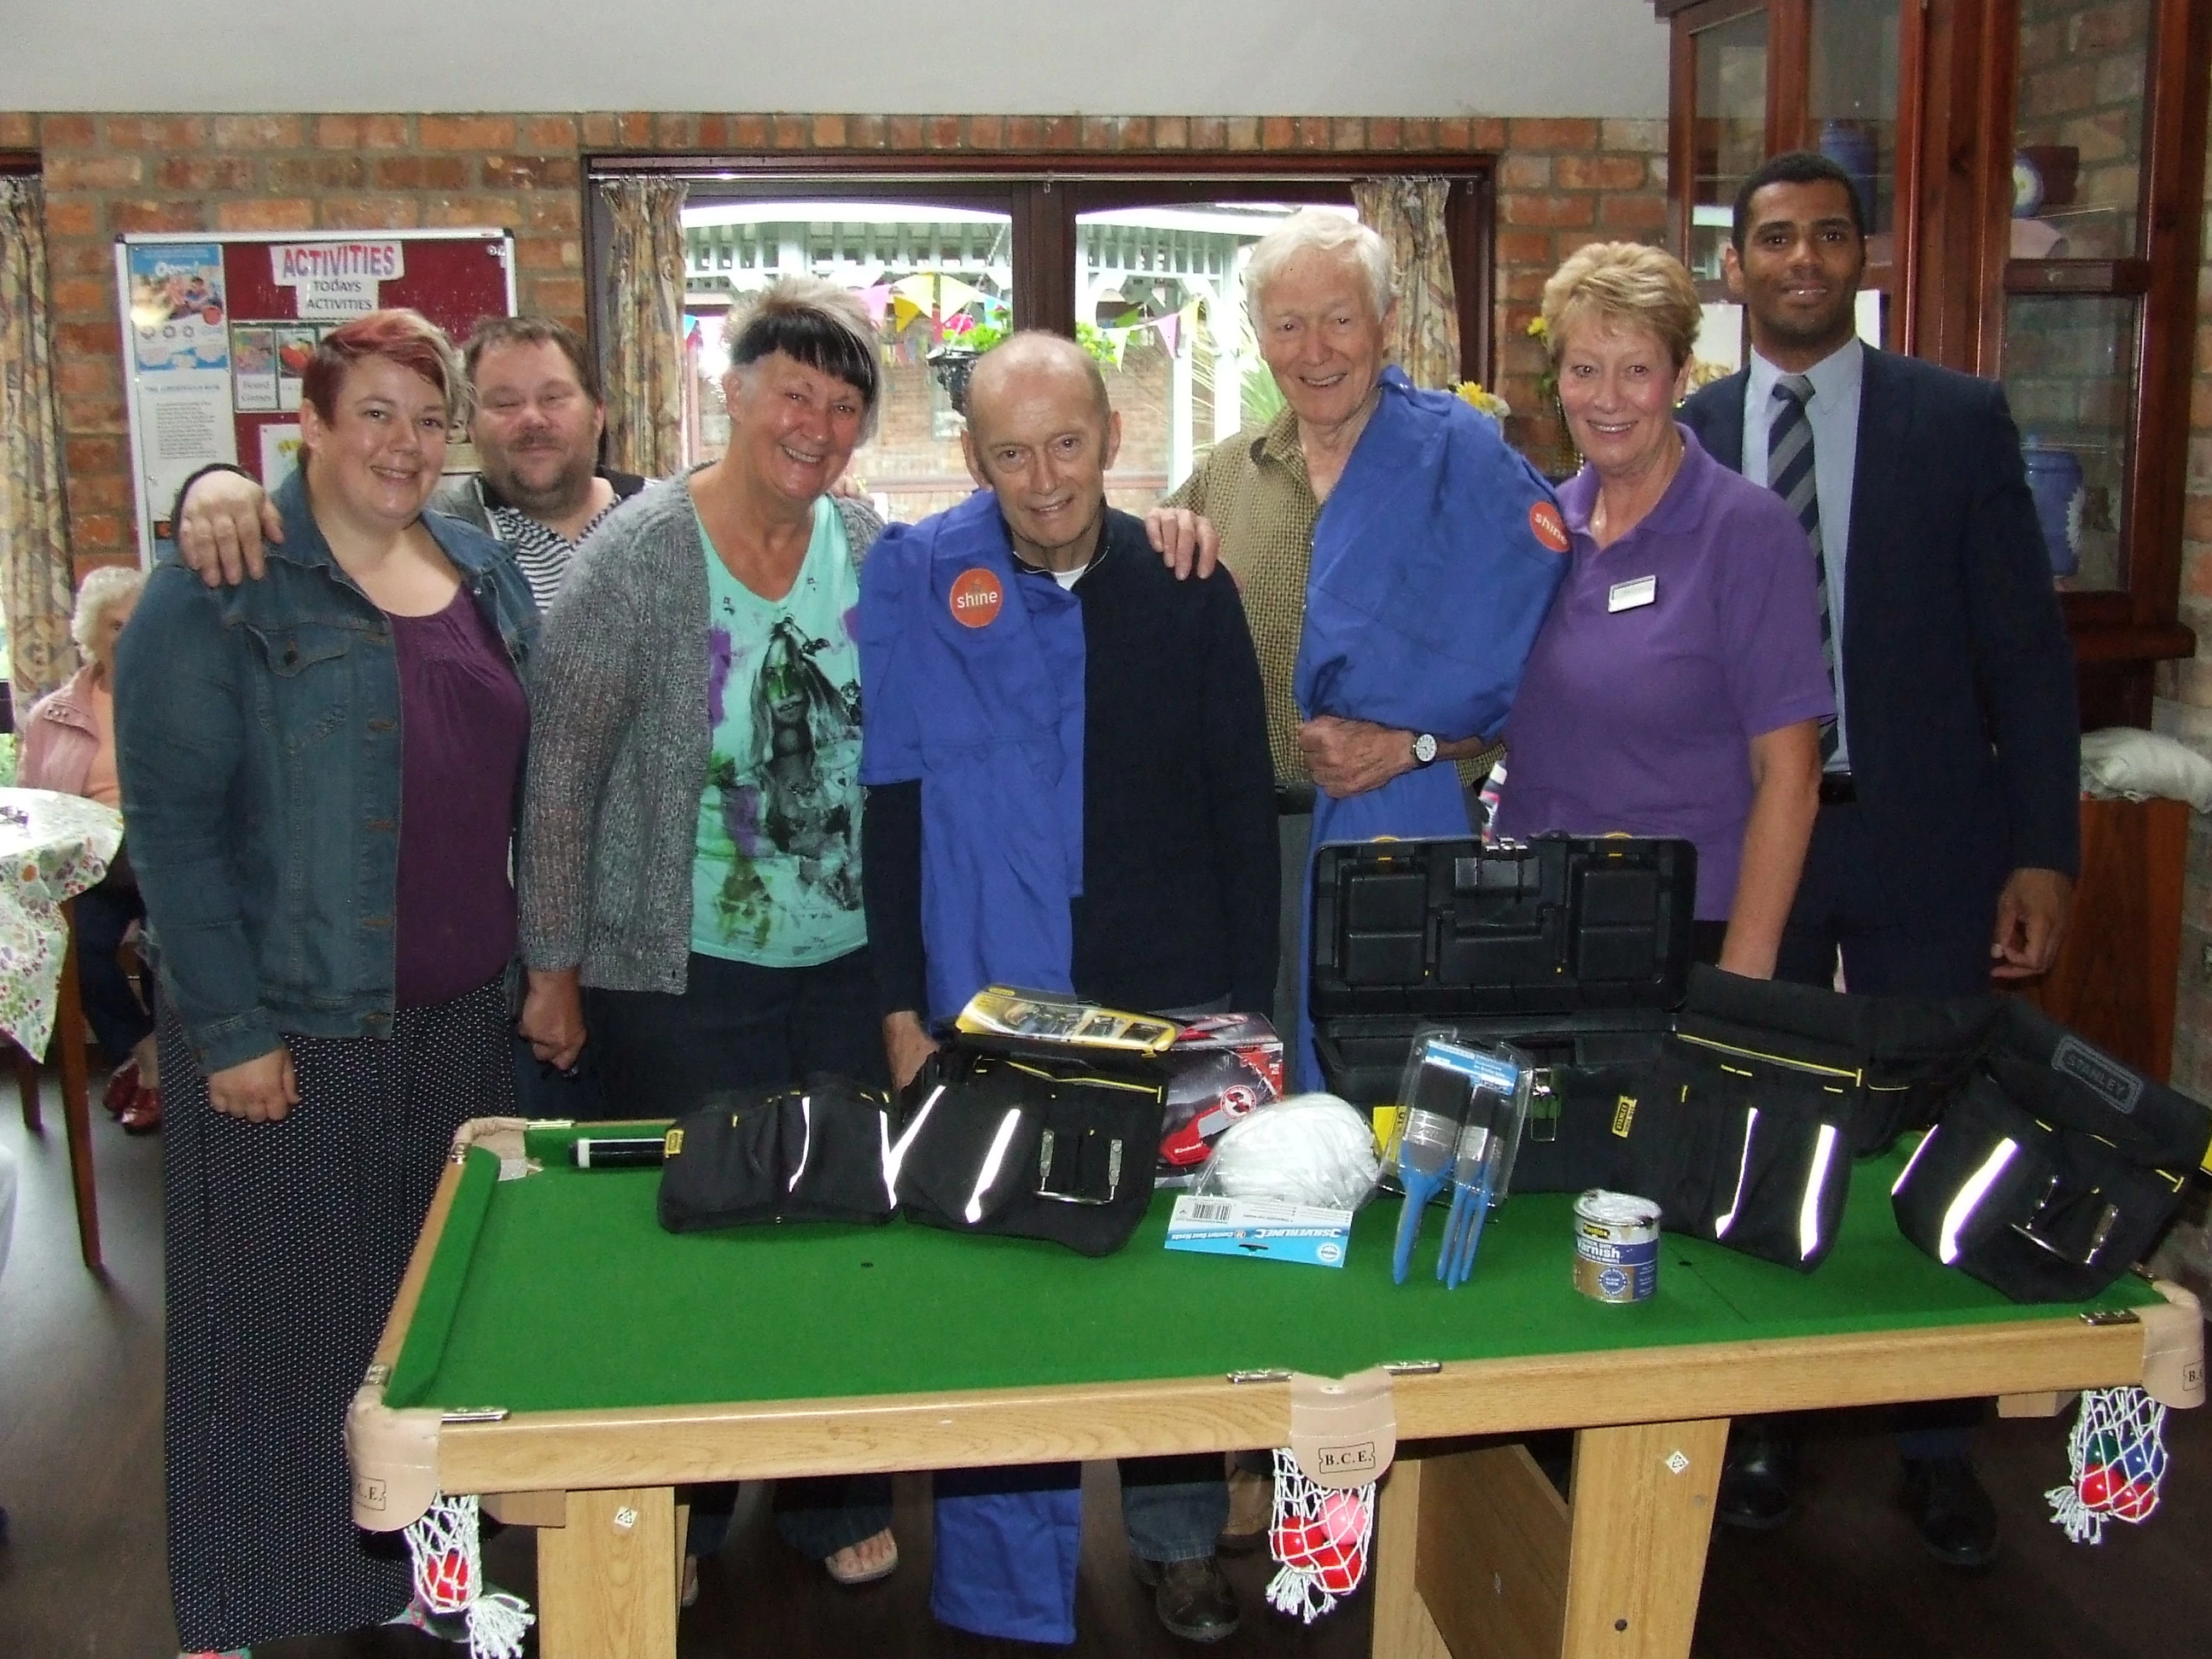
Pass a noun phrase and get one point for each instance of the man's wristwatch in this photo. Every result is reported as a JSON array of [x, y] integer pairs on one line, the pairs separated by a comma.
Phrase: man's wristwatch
[[1425, 748]]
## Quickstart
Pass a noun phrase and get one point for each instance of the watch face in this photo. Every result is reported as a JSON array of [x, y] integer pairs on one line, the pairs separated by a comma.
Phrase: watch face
[[1425, 748]]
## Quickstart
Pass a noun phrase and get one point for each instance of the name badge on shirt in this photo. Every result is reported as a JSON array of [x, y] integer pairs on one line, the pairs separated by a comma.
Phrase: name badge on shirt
[[1631, 595]]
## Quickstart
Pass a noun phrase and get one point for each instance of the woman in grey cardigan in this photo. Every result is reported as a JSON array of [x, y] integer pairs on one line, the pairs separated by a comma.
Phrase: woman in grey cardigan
[[690, 850]]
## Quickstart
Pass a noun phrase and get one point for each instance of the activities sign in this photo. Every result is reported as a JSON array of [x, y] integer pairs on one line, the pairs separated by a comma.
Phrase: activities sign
[[336, 279]]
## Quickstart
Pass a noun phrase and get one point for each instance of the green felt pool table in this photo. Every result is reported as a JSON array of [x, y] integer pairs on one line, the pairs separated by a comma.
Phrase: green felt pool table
[[552, 1346]]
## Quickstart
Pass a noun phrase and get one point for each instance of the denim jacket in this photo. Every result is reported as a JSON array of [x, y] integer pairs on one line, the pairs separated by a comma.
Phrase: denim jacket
[[258, 740]]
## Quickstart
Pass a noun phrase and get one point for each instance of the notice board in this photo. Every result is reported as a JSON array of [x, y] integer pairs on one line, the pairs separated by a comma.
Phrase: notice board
[[217, 328]]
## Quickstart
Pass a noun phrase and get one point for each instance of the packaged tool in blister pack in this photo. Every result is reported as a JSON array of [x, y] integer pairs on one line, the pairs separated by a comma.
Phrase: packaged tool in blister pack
[[1461, 1109], [1214, 1069], [1219, 1069], [1059, 1020]]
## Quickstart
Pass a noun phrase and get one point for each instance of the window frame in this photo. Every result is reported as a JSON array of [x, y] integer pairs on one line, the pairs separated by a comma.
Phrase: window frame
[[1043, 193]]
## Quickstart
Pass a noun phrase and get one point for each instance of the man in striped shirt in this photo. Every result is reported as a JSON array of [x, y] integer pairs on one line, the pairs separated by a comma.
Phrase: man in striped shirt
[[538, 418]]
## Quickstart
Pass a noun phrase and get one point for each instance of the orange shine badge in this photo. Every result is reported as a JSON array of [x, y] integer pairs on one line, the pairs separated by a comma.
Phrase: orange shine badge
[[1549, 527], [976, 597]]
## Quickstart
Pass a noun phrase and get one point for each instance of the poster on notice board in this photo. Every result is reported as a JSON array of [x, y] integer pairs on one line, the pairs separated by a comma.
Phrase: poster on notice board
[[180, 351], [219, 330]]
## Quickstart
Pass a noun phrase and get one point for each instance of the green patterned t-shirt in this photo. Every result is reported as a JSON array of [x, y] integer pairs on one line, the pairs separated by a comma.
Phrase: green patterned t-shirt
[[776, 875]]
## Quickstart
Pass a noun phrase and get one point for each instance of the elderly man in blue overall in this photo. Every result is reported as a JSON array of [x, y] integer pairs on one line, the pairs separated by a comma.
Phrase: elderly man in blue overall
[[1396, 559], [1068, 787]]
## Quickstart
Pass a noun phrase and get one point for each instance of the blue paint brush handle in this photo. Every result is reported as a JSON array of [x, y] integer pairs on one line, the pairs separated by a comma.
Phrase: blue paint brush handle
[[1420, 1188], [1471, 1231]]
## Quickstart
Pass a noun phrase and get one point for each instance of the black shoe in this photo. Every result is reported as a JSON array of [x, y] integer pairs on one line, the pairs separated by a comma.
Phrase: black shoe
[[1758, 1479], [1192, 1598], [1956, 1520]]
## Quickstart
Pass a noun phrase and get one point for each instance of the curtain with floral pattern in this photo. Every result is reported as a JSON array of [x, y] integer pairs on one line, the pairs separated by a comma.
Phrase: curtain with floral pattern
[[644, 366], [1408, 215], [35, 572]]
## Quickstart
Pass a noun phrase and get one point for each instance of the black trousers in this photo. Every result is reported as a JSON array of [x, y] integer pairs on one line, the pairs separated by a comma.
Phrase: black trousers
[[1841, 911], [739, 1026], [735, 1026], [1887, 950]]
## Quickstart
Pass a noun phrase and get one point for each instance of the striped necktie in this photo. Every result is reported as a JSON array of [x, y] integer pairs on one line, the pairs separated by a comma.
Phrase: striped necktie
[[1790, 475]]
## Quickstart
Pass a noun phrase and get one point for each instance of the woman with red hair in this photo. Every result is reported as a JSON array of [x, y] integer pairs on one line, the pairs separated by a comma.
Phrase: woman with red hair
[[320, 771]]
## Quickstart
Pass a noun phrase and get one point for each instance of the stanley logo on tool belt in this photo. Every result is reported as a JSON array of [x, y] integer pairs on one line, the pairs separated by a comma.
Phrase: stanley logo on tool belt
[[1624, 1113], [1358, 1457], [2118, 1087]]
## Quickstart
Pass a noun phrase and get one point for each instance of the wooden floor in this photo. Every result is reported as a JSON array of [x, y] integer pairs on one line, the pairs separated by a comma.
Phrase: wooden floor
[[84, 1577]]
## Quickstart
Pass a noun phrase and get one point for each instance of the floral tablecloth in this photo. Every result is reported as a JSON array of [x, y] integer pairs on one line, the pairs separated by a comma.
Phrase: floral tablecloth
[[53, 847]]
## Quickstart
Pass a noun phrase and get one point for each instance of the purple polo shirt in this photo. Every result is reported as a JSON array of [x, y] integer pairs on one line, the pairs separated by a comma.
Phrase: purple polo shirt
[[1638, 717]]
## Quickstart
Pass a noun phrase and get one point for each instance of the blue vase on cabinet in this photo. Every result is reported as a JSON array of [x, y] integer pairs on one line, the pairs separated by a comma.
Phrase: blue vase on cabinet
[[1851, 148], [2056, 480]]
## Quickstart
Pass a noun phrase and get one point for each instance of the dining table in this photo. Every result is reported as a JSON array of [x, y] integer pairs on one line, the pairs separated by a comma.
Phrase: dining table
[[53, 847]]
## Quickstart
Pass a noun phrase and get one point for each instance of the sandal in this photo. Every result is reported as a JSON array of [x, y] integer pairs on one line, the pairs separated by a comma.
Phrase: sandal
[[122, 1090], [852, 1574], [143, 1117]]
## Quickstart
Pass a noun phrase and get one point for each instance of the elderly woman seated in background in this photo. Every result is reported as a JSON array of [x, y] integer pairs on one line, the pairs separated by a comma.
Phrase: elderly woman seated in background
[[1678, 686], [320, 771], [68, 745], [691, 865]]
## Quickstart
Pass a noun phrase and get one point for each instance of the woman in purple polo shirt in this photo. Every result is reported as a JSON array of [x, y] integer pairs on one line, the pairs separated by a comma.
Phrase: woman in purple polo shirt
[[1678, 685]]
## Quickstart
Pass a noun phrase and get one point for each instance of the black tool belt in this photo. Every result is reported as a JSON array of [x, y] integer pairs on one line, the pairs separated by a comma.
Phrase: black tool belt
[[813, 1153], [1030, 1147], [1743, 1129], [2056, 1167]]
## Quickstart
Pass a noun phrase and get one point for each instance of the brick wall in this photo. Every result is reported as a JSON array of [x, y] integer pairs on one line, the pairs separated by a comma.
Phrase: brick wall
[[2184, 709], [1561, 183], [2081, 88]]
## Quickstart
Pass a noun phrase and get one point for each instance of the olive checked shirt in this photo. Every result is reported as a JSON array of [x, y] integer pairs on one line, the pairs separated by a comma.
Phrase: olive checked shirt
[[1254, 489]]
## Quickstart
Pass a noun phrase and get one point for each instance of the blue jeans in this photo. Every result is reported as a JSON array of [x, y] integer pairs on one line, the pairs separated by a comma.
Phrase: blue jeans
[[103, 915], [1173, 1508]]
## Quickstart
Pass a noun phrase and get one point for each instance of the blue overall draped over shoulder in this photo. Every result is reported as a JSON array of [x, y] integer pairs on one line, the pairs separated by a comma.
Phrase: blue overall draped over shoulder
[[987, 713], [971, 681], [1431, 577]]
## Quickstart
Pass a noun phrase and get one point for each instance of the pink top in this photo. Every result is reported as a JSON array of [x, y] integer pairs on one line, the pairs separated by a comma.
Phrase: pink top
[[64, 737]]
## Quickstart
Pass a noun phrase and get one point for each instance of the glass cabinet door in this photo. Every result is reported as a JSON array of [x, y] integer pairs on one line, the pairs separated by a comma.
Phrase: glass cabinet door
[[2070, 375], [1851, 117], [1728, 130], [2078, 139], [2076, 278]]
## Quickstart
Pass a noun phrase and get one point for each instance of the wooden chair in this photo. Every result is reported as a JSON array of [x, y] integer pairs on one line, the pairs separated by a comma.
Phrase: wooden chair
[[77, 1103]]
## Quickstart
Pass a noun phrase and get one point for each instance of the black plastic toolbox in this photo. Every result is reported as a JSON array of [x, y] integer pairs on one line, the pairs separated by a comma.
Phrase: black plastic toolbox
[[1576, 950]]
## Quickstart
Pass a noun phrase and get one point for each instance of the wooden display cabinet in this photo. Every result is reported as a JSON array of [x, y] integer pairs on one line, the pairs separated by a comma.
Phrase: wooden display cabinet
[[2032, 172]]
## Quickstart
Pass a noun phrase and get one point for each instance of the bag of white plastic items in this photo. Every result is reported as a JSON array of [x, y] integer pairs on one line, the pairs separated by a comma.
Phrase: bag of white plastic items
[[2121, 761], [1308, 1149]]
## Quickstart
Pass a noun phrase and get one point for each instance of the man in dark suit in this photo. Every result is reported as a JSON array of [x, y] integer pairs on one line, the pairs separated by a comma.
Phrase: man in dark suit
[[1948, 833]]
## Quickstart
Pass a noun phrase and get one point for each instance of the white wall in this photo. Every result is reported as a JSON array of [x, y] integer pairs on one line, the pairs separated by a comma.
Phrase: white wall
[[1012, 56]]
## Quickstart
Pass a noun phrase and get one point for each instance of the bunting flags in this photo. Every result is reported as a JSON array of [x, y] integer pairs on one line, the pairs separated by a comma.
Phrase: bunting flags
[[1173, 329], [945, 300]]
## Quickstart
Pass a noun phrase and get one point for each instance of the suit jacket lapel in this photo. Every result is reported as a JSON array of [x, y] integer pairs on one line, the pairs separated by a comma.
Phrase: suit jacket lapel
[[1723, 433]]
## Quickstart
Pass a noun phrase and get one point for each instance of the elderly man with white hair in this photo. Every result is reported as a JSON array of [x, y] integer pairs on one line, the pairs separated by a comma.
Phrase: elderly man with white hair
[[68, 745], [1396, 559]]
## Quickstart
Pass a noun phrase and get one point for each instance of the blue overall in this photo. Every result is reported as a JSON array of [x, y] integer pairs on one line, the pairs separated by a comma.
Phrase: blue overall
[[989, 717], [1427, 587]]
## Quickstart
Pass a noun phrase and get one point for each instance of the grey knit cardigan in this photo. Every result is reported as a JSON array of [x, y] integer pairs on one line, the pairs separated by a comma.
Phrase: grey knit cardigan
[[618, 747]]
